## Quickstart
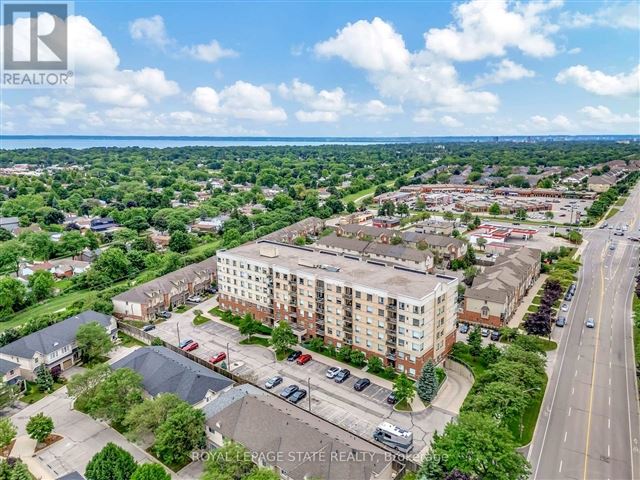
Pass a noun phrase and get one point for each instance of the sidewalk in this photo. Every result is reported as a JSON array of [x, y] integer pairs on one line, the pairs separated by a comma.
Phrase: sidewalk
[[24, 449], [518, 316]]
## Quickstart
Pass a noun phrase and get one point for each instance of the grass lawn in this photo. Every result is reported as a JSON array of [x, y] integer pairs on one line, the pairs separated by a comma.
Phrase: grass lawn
[[621, 201], [174, 467], [255, 341], [369, 191], [128, 341], [32, 394], [611, 213], [403, 406], [182, 308], [200, 319], [636, 327], [529, 419], [95, 361], [205, 246], [282, 355]]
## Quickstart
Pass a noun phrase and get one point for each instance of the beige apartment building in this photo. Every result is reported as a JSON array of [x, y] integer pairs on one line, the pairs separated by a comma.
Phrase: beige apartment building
[[404, 317]]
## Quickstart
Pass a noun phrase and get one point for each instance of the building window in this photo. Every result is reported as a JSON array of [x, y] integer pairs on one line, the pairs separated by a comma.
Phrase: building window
[[484, 312]]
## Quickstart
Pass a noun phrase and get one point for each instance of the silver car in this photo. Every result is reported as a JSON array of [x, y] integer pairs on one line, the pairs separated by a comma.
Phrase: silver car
[[590, 323], [273, 382], [333, 371]]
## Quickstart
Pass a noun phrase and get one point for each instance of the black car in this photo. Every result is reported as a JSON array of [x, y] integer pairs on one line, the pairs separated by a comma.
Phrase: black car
[[288, 391], [361, 384], [297, 396], [293, 356], [148, 328], [211, 290], [391, 399], [495, 335], [342, 375]]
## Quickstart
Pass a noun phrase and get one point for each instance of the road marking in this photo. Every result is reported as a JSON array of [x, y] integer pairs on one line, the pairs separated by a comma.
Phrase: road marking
[[609, 400], [565, 437], [609, 423], [608, 450], [569, 412], [560, 469], [576, 374], [572, 390]]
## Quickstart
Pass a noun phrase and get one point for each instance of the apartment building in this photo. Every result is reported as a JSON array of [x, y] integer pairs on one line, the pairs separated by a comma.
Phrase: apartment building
[[403, 316]]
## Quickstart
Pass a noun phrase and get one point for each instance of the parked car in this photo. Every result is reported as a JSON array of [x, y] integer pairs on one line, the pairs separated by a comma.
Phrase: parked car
[[194, 299], [288, 391], [391, 399], [590, 323], [568, 297], [464, 327], [495, 335], [294, 355], [561, 322], [612, 246], [184, 343], [273, 382], [148, 328], [565, 307], [298, 395], [163, 314], [634, 239], [332, 372], [361, 384], [342, 375], [484, 332], [211, 290], [190, 347], [218, 358], [302, 359]]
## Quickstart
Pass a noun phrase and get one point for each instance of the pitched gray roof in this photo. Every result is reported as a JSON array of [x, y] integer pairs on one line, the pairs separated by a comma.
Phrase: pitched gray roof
[[309, 446], [6, 365], [55, 336], [344, 243], [142, 293], [166, 371], [72, 476]]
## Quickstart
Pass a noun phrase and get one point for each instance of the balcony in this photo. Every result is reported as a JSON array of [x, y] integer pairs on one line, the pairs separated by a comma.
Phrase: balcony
[[392, 307], [348, 330], [391, 341], [391, 329]]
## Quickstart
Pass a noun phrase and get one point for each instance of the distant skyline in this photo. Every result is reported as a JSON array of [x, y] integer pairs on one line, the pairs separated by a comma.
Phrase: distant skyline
[[342, 69]]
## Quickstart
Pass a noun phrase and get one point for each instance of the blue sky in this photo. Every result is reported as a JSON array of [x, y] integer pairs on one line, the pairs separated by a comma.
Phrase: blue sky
[[342, 69]]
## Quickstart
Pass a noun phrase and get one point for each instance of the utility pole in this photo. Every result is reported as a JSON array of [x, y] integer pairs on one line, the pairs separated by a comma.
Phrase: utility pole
[[178, 331], [309, 387], [228, 358]]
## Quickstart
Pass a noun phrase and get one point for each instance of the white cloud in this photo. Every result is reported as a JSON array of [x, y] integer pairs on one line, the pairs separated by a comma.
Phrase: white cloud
[[623, 15], [602, 115], [600, 83], [559, 123], [502, 72], [451, 122], [210, 52], [423, 116], [374, 46], [487, 28], [154, 83], [151, 30], [317, 116], [327, 100], [574, 51], [242, 100], [377, 108]]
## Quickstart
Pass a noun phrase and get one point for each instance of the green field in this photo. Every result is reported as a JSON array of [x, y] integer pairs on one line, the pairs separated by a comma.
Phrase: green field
[[611, 213], [352, 197]]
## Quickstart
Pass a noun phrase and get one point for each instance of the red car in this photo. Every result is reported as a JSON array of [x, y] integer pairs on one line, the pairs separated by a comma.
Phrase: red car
[[191, 346], [218, 358], [302, 359]]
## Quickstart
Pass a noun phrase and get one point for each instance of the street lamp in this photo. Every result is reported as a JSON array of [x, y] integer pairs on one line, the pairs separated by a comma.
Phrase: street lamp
[[309, 388], [522, 414], [228, 359], [178, 331]]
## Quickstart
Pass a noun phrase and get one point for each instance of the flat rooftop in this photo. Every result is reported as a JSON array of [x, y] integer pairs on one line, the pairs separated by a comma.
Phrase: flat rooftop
[[394, 280]]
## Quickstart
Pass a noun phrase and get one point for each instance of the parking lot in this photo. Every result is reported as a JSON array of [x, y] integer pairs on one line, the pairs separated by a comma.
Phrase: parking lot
[[358, 412]]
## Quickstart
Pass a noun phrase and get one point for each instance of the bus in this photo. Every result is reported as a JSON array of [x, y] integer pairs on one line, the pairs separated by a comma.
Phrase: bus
[[394, 437]]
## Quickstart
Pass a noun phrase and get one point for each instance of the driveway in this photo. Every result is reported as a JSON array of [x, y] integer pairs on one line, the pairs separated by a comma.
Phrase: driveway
[[83, 436], [359, 412]]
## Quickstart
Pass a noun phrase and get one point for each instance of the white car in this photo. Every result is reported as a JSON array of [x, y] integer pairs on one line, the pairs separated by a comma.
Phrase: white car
[[565, 307], [333, 371], [194, 299]]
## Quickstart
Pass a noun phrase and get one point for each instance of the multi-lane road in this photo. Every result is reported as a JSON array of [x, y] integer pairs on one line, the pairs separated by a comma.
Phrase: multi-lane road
[[589, 422]]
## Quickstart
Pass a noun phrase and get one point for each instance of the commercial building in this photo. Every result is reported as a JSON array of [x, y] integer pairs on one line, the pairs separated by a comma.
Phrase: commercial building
[[497, 291], [53, 347], [164, 293], [403, 316], [386, 222]]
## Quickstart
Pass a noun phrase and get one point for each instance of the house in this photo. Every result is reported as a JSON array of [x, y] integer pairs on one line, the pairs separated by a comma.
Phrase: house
[[33, 228], [10, 223], [61, 268], [160, 241], [386, 222], [356, 218], [436, 227], [54, 346], [601, 183], [311, 226], [103, 224], [166, 371], [496, 293], [293, 442], [210, 225], [88, 255], [10, 372], [448, 247], [361, 232], [164, 293]]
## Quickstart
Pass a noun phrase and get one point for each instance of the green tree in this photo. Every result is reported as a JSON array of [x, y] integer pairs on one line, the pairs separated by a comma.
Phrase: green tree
[[93, 341], [521, 214], [449, 216], [39, 427], [503, 401], [5, 235], [357, 357], [144, 419], [71, 243], [44, 379], [41, 284], [403, 209], [282, 337], [482, 243], [116, 395], [231, 461], [351, 207], [8, 432], [248, 325], [476, 445], [466, 217], [180, 242], [495, 209], [404, 389], [20, 472], [12, 296], [111, 463], [343, 353], [137, 223], [263, 474], [575, 237], [150, 471], [490, 354], [180, 434], [113, 263], [84, 384], [374, 364], [427, 386], [548, 215], [474, 339], [40, 245]]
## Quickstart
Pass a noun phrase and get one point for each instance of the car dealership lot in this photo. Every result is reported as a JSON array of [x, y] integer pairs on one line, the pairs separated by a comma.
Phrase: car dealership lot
[[339, 403]]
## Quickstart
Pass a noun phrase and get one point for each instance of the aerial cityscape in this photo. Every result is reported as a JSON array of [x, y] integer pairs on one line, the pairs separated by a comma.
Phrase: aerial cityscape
[[320, 240]]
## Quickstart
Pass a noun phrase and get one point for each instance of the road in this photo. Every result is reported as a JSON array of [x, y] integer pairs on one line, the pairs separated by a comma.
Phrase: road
[[589, 422]]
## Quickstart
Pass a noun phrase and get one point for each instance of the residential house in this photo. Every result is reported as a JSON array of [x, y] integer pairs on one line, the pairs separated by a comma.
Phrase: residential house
[[210, 225], [435, 227], [88, 255], [386, 222], [10, 373], [307, 446], [601, 183], [311, 226], [60, 268], [496, 292], [166, 371], [55, 346], [10, 223], [103, 224], [164, 293]]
